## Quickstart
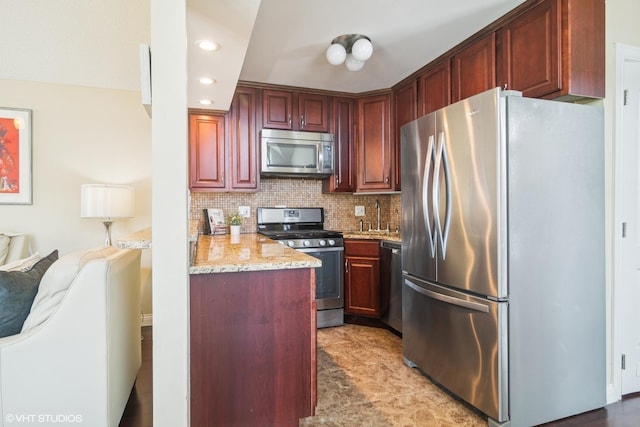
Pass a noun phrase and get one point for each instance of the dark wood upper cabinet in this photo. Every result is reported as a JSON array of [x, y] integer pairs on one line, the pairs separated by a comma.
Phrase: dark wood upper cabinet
[[243, 140], [554, 50], [223, 148], [313, 112], [434, 88], [474, 68], [295, 111], [277, 109], [207, 151], [406, 110], [343, 129], [374, 144]]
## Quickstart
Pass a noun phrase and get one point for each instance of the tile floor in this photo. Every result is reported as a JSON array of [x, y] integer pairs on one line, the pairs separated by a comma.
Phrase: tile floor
[[362, 381]]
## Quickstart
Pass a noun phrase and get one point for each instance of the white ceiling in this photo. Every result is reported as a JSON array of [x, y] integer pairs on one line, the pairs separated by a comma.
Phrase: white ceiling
[[95, 42], [290, 38]]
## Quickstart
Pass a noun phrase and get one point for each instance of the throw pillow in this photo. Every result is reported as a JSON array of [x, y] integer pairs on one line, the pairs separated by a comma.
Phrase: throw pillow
[[24, 264], [4, 247], [17, 291]]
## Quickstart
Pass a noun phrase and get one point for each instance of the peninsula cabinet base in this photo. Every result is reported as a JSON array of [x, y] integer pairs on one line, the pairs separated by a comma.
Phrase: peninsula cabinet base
[[253, 348]]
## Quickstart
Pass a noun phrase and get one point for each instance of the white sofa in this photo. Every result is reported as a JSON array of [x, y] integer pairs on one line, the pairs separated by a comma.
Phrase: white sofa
[[16, 248], [76, 360]]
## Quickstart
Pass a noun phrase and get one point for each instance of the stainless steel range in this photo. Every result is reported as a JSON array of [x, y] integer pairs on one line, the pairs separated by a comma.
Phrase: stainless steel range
[[303, 230]]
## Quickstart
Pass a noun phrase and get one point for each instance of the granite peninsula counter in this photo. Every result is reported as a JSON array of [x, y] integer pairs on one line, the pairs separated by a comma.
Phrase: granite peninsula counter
[[246, 252], [252, 332]]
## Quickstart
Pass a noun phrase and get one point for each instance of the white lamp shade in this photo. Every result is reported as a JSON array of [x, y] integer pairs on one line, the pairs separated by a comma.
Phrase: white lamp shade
[[336, 54], [362, 49], [353, 64], [106, 201]]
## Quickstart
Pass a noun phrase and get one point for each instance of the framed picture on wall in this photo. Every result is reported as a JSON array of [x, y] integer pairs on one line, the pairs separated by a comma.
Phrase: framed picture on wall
[[15, 156]]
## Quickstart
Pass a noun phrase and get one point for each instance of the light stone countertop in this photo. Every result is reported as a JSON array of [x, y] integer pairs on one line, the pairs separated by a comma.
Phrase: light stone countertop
[[389, 236], [139, 240], [246, 252]]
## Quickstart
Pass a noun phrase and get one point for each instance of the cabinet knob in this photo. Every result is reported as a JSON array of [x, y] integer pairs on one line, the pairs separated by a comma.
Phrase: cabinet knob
[[386, 180], [302, 124], [289, 119]]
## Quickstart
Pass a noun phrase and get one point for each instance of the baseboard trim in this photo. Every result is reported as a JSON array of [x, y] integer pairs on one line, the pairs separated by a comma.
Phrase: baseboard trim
[[146, 319]]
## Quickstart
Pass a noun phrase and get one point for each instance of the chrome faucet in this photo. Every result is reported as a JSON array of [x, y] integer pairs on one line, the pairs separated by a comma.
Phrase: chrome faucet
[[378, 210]]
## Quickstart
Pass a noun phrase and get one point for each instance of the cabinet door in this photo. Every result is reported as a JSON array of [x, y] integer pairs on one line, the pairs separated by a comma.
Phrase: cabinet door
[[362, 286], [474, 69], [243, 140], [434, 88], [406, 106], [555, 50], [313, 112], [374, 143], [277, 110], [343, 129], [528, 51], [206, 151]]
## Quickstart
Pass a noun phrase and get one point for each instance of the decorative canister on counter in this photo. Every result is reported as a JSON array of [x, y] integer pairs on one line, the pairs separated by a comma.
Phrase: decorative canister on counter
[[235, 221]]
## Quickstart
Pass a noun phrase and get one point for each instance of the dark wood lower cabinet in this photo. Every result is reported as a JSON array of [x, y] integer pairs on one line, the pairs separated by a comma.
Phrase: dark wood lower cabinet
[[362, 277], [253, 348]]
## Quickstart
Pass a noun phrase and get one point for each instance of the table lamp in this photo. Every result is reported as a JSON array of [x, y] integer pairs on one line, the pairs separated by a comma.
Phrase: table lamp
[[108, 202]]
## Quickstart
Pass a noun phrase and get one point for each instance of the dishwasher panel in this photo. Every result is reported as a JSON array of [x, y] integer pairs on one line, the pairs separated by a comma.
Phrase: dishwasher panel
[[391, 274]]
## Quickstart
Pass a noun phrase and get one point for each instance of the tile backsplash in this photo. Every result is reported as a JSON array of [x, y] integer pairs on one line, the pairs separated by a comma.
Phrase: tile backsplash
[[339, 209]]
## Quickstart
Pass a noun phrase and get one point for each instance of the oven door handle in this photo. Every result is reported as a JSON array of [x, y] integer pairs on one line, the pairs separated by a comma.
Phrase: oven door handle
[[332, 249]]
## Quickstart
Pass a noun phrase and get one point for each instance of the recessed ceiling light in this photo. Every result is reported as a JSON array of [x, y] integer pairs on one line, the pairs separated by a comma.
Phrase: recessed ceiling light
[[206, 102], [208, 45], [207, 81]]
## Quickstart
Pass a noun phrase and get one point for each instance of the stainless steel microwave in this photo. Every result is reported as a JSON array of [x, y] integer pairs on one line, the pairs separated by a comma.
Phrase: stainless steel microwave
[[296, 154]]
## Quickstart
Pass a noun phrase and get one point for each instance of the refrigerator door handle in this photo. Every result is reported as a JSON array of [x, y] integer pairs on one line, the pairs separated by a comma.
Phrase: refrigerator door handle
[[442, 161], [426, 213], [448, 299]]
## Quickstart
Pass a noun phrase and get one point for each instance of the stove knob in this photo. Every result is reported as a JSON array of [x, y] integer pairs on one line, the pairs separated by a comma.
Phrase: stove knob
[[306, 243], [332, 242], [322, 243], [291, 243]]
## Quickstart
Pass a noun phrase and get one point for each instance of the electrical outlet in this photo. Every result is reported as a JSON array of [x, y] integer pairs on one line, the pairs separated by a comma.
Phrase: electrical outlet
[[359, 210], [244, 211]]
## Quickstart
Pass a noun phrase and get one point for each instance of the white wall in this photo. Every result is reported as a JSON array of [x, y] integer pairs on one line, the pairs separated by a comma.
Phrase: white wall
[[622, 27], [79, 135], [170, 215]]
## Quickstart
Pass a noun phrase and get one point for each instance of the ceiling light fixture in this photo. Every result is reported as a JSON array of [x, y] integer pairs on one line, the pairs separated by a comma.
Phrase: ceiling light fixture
[[206, 102], [351, 49], [207, 81]]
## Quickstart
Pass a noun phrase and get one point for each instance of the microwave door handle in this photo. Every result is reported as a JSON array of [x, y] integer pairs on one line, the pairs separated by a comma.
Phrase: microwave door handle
[[320, 157]]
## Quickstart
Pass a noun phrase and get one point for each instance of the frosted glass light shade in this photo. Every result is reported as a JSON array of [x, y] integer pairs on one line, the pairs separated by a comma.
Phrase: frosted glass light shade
[[106, 201], [362, 49], [353, 64], [336, 54]]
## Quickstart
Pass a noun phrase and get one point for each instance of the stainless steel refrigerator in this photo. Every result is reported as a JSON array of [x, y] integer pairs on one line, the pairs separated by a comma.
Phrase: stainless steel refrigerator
[[503, 255]]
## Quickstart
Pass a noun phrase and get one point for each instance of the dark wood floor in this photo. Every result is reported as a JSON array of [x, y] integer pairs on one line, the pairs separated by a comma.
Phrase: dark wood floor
[[139, 410]]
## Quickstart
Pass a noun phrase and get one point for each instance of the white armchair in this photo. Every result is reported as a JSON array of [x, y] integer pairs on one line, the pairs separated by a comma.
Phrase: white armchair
[[77, 357]]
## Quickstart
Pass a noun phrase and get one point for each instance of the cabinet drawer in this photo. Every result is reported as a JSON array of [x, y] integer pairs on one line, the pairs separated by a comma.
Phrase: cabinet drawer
[[367, 248]]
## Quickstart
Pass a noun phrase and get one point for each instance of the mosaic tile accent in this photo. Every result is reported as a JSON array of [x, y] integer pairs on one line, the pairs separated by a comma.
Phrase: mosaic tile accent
[[301, 193]]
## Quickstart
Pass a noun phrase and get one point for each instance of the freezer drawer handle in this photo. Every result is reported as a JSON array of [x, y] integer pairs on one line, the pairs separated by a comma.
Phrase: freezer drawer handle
[[448, 299]]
